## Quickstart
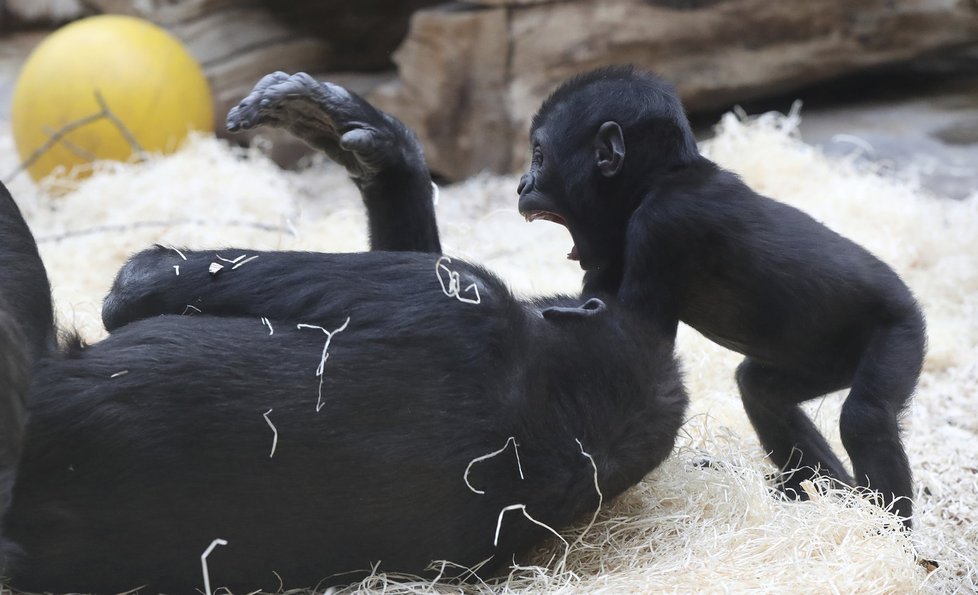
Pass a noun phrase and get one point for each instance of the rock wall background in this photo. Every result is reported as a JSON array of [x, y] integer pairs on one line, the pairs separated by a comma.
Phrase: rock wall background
[[468, 75]]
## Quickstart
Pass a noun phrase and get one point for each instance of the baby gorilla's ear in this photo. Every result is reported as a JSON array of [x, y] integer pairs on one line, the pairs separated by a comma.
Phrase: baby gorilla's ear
[[609, 145]]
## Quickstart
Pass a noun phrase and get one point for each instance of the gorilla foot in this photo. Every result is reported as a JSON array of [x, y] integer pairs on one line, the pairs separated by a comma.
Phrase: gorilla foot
[[364, 140]]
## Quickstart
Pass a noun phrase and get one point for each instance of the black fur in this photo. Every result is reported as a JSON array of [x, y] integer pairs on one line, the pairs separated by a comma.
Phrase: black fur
[[675, 236], [25, 295], [383, 156], [26, 332], [143, 448]]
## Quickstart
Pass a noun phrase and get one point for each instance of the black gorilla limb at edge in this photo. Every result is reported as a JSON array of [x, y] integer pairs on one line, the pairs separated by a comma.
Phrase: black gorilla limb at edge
[[381, 154], [143, 448], [675, 236]]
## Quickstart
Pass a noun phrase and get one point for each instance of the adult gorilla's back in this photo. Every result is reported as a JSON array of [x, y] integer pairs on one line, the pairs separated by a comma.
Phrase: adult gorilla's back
[[145, 447]]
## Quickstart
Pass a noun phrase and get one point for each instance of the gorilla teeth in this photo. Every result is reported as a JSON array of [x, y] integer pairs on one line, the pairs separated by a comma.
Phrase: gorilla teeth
[[532, 216]]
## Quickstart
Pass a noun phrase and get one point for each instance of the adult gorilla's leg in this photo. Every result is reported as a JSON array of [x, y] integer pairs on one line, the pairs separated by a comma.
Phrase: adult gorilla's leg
[[297, 286], [384, 159], [382, 155]]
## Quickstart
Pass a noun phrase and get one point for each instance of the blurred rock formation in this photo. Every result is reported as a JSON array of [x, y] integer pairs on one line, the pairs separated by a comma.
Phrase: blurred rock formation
[[470, 74]]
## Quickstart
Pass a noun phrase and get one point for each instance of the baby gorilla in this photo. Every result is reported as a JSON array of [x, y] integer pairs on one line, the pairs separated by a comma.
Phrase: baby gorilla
[[675, 236], [389, 408]]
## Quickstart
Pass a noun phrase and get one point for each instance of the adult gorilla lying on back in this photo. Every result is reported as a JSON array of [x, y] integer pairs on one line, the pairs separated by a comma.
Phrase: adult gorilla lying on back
[[145, 447]]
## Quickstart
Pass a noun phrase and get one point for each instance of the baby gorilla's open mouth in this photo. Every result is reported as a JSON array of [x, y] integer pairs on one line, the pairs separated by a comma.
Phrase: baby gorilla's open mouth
[[532, 216]]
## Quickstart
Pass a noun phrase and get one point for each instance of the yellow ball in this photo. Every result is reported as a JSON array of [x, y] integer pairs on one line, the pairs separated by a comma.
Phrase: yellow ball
[[148, 81]]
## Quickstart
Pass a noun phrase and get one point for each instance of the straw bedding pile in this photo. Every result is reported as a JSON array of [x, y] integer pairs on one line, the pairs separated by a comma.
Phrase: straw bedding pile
[[689, 526]]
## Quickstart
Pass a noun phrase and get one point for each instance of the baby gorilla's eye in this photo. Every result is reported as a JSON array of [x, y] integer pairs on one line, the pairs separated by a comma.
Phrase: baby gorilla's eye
[[537, 157]]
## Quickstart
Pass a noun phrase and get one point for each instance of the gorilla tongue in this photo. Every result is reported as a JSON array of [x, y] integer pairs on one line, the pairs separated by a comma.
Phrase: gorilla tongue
[[573, 255]]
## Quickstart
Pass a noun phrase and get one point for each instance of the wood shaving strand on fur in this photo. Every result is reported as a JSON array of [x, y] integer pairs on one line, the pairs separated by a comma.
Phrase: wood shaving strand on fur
[[516, 448], [597, 488], [176, 269], [522, 507], [268, 323], [455, 283], [203, 563], [194, 308], [281, 583], [476, 300], [117, 374], [451, 289], [435, 192], [230, 261], [320, 370], [274, 433], [215, 268], [175, 249], [245, 261]]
